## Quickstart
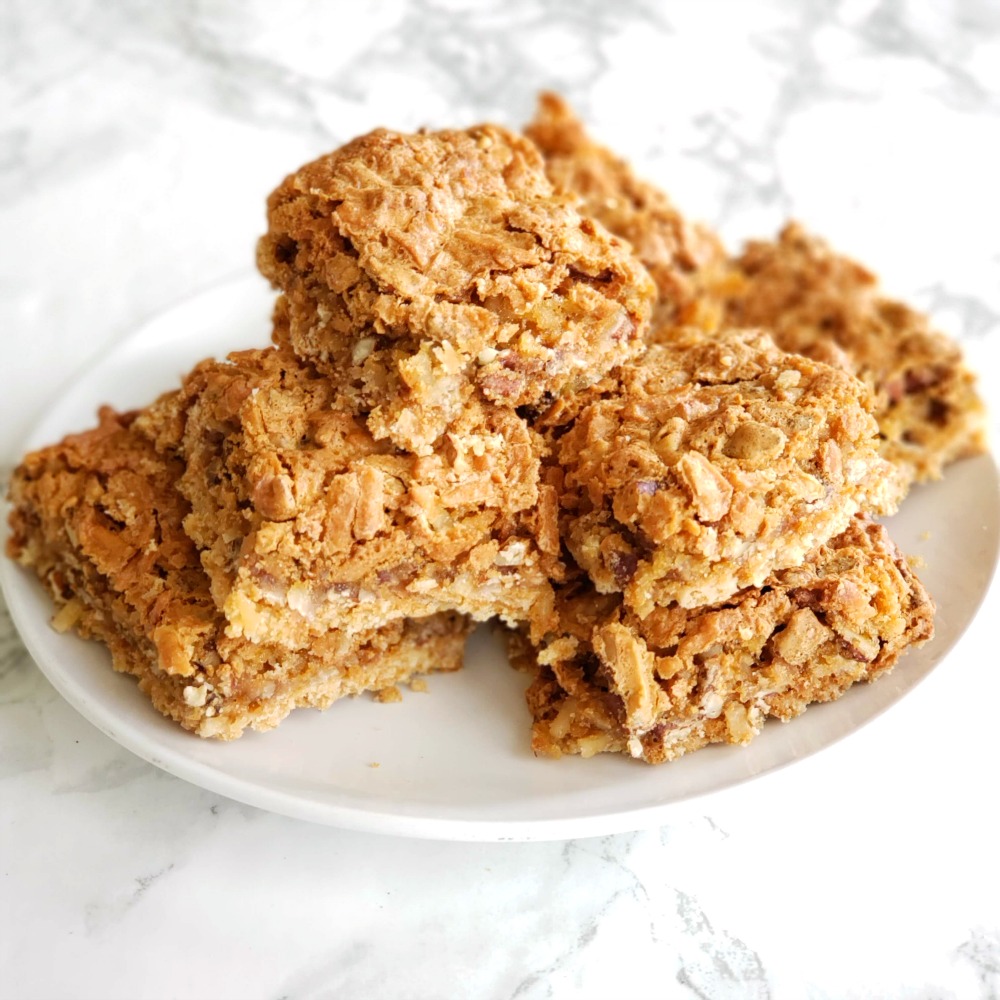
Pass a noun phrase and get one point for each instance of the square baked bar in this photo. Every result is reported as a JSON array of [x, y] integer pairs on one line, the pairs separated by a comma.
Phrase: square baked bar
[[307, 523], [678, 679], [427, 270], [819, 303], [98, 518], [713, 461]]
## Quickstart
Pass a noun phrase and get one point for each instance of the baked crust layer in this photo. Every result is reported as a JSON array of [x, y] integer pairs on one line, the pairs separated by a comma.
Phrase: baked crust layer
[[716, 460], [98, 519], [824, 305], [307, 523], [427, 270], [678, 679]]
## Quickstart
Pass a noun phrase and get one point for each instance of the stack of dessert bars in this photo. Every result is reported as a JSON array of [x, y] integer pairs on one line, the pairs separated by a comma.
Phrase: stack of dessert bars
[[509, 381]]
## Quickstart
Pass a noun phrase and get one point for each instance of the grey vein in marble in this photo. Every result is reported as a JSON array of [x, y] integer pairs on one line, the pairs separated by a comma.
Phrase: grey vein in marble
[[99, 915], [975, 318], [982, 951], [895, 28], [488, 69], [746, 160], [724, 967]]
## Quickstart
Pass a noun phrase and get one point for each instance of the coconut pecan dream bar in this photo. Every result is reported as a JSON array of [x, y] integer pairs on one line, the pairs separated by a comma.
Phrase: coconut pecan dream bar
[[99, 519], [606, 680], [511, 381], [812, 300], [307, 523]]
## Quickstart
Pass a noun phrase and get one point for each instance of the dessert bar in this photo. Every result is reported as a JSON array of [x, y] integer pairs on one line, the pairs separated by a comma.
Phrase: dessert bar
[[307, 523], [678, 679], [426, 270], [716, 460], [98, 519]]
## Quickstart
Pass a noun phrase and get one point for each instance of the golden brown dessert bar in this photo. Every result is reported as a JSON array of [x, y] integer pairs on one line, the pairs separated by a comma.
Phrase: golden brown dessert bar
[[98, 518], [426, 270], [714, 461], [819, 303], [676, 680], [814, 301], [466, 382], [308, 523], [676, 252]]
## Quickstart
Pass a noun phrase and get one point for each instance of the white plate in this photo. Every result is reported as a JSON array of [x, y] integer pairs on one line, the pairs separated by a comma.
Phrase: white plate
[[455, 763]]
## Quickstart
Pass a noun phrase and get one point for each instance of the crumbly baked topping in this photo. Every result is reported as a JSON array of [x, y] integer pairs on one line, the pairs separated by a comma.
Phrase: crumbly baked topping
[[826, 306], [717, 460], [98, 518], [428, 270], [812, 300], [306, 522], [677, 252], [678, 679], [469, 415]]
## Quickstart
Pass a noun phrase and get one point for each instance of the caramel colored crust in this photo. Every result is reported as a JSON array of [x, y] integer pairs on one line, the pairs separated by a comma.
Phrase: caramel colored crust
[[468, 414], [426, 270], [717, 460], [99, 520], [828, 307], [813, 301], [308, 523], [676, 252], [677, 680]]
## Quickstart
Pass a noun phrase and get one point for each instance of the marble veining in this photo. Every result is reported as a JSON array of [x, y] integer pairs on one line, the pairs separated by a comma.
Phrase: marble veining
[[982, 951], [137, 142], [99, 915]]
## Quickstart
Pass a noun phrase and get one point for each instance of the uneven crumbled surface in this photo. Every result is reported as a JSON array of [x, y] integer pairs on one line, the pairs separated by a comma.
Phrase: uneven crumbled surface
[[98, 518], [718, 460], [424, 270], [672, 682], [308, 523], [828, 307], [677, 253], [511, 381]]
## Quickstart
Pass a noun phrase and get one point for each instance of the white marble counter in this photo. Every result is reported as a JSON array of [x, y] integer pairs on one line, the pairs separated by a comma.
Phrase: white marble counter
[[137, 142]]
